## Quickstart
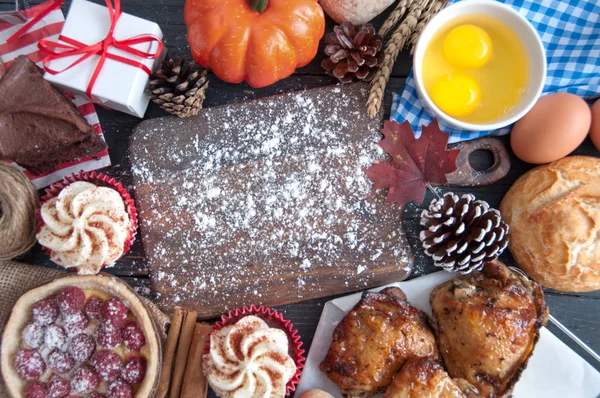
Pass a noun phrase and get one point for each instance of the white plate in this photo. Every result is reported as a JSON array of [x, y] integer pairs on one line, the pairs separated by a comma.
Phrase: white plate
[[554, 370]]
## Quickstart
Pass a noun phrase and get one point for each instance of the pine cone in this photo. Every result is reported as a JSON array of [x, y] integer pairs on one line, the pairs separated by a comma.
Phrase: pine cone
[[462, 234], [353, 52], [179, 87]]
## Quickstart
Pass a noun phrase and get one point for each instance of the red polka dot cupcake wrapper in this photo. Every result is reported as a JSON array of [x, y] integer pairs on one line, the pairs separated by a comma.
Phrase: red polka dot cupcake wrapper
[[273, 319], [102, 180]]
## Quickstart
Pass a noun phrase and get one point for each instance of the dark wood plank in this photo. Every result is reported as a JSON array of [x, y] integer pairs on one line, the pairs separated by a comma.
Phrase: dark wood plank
[[294, 218], [577, 311]]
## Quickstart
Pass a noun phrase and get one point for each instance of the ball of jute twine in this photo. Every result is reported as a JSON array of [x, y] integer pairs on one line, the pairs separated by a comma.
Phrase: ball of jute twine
[[18, 205], [414, 14]]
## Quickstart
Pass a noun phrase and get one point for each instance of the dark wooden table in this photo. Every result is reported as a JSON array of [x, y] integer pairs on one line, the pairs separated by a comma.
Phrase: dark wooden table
[[580, 312]]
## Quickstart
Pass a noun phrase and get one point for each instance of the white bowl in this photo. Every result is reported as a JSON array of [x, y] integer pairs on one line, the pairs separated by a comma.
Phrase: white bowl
[[522, 27]]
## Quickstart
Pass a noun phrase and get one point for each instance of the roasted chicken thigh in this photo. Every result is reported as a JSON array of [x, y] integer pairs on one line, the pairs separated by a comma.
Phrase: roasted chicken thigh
[[374, 340], [423, 378], [487, 324]]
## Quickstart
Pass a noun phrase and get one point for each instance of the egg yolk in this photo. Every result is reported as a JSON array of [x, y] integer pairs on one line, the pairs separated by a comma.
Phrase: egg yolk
[[468, 46], [456, 95]]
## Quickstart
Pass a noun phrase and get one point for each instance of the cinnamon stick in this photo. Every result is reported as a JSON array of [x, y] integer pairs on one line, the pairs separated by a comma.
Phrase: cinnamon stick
[[194, 381], [183, 348], [169, 353]]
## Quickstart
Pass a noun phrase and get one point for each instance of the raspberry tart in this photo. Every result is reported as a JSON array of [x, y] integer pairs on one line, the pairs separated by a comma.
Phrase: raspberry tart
[[81, 335]]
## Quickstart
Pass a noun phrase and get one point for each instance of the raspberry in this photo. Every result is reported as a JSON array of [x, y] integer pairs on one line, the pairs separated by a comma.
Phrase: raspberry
[[55, 337], [84, 380], [33, 335], [75, 324], [119, 389], [70, 300], [107, 364], [133, 336], [45, 312], [29, 364], [109, 335], [82, 347], [134, 371], [36, 390], [114, 311], [60, 361], [92, 309], [58, 387]]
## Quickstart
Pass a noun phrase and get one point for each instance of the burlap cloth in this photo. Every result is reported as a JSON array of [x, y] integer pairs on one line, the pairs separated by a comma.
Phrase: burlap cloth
[[17, 278]]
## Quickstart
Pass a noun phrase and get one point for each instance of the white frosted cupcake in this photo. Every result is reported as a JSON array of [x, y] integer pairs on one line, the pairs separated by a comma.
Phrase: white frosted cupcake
[[253, 353], [87, 222]]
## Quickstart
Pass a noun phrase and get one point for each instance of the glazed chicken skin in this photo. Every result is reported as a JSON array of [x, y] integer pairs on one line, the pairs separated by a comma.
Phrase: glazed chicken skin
[[374, 340], [487, 325], [423, 378]]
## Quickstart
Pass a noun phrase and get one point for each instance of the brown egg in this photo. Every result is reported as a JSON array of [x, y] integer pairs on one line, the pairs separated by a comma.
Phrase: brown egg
[[595, 127], [552, 129], [316, 394]]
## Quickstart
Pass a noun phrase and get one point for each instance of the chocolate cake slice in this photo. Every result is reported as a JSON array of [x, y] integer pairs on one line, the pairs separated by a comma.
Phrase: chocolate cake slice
[[40, 127]]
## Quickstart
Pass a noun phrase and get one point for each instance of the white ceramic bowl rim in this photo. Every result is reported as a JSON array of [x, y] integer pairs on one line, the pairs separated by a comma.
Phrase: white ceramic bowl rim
[[527, 33]]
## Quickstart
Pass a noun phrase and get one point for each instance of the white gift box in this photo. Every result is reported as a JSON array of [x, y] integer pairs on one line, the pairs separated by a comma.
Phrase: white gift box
[[119, 86]]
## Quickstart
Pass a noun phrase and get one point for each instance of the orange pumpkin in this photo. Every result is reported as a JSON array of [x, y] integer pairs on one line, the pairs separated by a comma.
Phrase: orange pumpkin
[[259, 41]]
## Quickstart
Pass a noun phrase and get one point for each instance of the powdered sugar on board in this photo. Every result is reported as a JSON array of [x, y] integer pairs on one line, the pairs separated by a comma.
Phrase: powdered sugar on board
[[266, 202]]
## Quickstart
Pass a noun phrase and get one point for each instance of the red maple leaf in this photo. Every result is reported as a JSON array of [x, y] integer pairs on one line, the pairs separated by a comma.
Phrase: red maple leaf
[[415, 163]]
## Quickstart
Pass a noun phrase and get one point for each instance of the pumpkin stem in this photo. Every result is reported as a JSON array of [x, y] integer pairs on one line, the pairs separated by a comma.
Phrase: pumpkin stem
[[258, 5]]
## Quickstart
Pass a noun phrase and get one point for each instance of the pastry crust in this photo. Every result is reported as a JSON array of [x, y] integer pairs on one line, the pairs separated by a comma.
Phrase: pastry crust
[[554, 217], [20, 316], [356, 11]]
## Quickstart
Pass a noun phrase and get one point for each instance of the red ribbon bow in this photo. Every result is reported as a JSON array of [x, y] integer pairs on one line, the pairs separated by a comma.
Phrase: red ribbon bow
[[52, 5], [56, 50]]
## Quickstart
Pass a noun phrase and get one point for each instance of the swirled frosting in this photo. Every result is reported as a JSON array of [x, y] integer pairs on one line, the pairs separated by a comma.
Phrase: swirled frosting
[[249, 360], [85, 226]]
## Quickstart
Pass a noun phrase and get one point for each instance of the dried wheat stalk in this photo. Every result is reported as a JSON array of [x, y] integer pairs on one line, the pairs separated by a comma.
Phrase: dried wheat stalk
[[393, 18], [392, 49]]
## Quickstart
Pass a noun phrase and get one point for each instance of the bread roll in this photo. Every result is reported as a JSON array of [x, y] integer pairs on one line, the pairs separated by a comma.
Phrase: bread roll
[[316, 394], [356, 11], [554, 217]]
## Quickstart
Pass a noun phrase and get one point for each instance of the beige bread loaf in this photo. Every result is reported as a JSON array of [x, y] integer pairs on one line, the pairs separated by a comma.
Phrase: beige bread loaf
[[356, 11], [554, 217], [316, 394]]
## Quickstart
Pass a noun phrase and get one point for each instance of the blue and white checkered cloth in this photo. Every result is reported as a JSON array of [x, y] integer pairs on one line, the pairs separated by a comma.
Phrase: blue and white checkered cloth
[[570, 31]]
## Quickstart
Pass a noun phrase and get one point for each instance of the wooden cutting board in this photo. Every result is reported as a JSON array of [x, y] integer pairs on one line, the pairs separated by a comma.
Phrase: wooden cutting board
[[266, 202]]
